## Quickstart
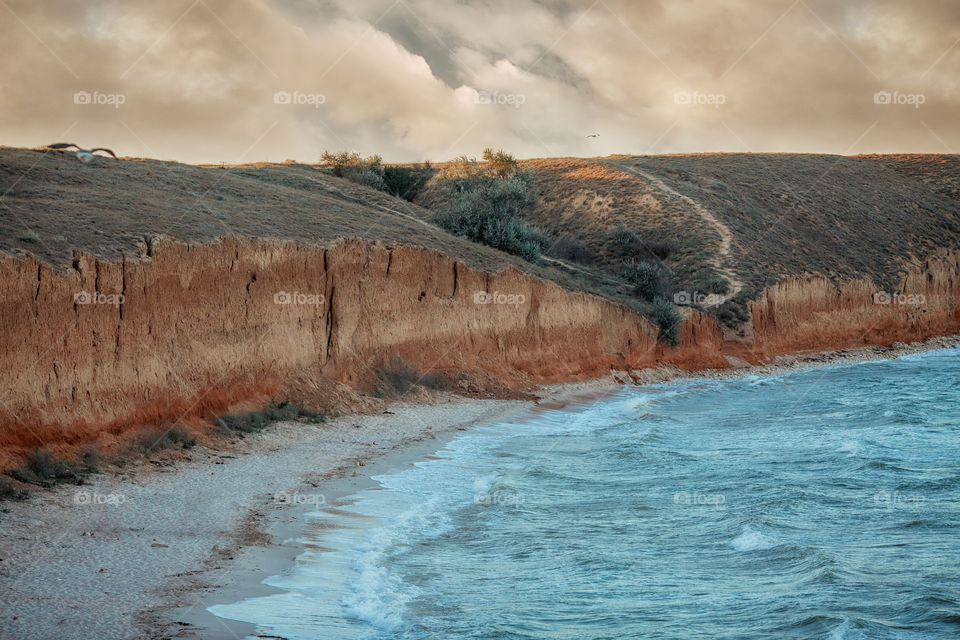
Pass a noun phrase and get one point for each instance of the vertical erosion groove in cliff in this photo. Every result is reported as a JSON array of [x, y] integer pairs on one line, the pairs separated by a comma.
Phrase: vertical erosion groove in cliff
[[814, 314], [190, 330]]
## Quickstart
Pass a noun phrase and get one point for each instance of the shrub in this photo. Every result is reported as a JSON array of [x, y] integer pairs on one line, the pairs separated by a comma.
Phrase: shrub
[[629, 242], [43, 470], [622, 237], [733, 313], [258, 420], [398, 377], [183, 437], [433, 380], [10, 492], [90, 458], [648, 280], [366, 171], [43, 464], [152, 440], [368, 178], [716, 284], [664, 313], [567, 248], [406, 182], [485, 200], [539, 237]]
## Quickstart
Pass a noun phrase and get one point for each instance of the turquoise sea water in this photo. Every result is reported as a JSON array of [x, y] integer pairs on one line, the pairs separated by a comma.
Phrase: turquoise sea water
[[818, 504]]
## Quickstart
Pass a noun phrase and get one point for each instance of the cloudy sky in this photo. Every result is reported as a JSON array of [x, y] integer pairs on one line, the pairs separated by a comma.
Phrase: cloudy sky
[[247, 80]]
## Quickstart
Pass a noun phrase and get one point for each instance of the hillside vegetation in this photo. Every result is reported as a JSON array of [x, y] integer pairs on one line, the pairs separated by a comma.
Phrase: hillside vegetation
[[707, 230]]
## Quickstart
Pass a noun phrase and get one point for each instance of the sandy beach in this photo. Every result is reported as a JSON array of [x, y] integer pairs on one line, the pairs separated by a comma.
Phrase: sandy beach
[[144, 552], [123, 547]]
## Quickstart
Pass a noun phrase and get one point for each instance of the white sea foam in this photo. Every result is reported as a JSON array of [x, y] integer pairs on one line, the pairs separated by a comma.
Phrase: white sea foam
[[376, 596], [850, 447], [750, 540]]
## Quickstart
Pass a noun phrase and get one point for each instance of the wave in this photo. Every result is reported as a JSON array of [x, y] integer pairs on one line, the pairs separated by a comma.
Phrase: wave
[[751, 540]]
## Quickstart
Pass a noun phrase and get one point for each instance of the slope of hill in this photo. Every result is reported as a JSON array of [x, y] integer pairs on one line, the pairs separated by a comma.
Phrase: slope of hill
[[756, 218], [232, 285]]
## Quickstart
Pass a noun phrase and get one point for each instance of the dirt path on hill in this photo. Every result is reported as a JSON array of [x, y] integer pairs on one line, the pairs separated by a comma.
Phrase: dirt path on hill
[[722, 256]]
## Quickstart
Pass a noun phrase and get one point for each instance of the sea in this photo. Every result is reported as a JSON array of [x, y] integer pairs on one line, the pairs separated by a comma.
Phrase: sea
[[820, 503]]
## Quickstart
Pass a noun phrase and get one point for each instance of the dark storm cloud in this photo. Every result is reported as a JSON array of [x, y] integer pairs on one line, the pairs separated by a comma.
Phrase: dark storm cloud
[[412, 79]]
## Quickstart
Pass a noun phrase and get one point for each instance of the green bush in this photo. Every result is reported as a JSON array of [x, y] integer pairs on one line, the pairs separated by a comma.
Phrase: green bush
[[398, 377], [649, 280], [716, 284], [90, 458], [259, 420], [484, 200], [10, 492], [539, 237], [406, 182], [567, 248], [368, 178], [152, 440], [366, 171], [42, 469], [630, 243], [664, 313]]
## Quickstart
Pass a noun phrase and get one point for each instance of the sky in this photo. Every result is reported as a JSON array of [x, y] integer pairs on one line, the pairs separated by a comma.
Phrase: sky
[[210, 81]]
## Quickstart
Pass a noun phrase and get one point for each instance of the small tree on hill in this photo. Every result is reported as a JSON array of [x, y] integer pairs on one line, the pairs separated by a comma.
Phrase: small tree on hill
[[485, 200]]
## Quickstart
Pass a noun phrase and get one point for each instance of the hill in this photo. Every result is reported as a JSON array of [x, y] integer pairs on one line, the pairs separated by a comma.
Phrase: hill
[[235, 285]]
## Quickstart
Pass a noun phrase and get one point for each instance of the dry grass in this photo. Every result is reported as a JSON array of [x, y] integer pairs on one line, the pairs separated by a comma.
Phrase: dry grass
[[787, 214], [108, 208]]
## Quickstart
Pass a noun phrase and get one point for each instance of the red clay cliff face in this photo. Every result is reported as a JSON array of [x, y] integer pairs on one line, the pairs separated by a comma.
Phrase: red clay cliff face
[[203, 327], [814, 315]]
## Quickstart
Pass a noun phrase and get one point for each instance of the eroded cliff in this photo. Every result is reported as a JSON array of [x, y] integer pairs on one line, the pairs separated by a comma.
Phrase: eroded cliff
[[188, 330], [108, 346]]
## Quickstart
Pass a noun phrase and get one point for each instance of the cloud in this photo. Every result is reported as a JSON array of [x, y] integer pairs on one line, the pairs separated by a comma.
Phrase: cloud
[[420, 79]]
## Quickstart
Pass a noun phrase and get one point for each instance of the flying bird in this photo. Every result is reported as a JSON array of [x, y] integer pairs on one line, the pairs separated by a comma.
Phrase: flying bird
[[84, 155], [594, 135]]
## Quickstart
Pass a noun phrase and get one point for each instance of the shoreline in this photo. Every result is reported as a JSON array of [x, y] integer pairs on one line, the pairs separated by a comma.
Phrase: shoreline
[[252, 568], [160, 556]]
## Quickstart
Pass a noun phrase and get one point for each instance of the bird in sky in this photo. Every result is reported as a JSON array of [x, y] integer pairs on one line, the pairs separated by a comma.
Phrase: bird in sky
[[594, 135], [84, 155]]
